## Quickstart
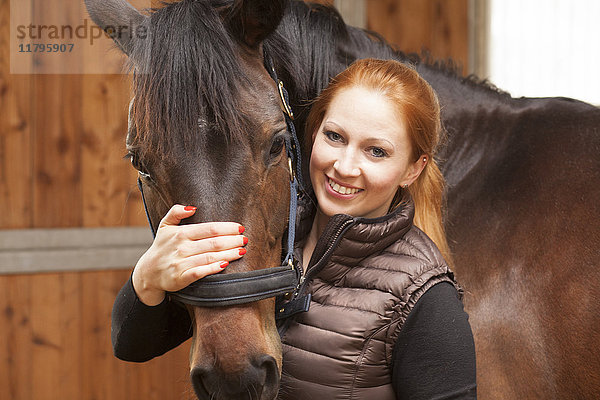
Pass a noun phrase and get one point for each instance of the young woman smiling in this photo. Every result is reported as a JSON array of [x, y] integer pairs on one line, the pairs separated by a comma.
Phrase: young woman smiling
[[385, 318]]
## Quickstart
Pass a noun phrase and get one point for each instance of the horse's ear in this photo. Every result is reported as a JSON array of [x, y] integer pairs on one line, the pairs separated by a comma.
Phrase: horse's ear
[[251, 21], [119, 20]]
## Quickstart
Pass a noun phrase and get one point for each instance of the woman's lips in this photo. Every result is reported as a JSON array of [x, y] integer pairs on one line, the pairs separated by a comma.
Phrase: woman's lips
[[339, 190]]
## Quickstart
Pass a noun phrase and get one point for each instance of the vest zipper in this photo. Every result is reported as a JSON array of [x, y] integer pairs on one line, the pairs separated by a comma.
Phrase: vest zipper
[[300, 302], [313, 269]]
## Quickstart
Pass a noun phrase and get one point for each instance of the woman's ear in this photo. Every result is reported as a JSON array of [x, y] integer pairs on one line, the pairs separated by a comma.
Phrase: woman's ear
[[414, 170]]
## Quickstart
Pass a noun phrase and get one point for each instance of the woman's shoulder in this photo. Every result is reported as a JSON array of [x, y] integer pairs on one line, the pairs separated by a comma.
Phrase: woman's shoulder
[[416, 247], [412, 265]]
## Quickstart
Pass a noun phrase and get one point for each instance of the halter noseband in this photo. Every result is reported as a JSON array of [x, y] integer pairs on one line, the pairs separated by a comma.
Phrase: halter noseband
[[245, 287]]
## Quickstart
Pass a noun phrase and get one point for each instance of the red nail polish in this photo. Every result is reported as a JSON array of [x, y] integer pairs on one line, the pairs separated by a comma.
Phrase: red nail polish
[[242, 252], [242, 229], [245, 240], [224, 264], [189, 208]]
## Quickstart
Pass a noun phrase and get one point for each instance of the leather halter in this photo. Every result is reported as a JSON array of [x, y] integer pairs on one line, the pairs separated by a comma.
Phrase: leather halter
[[245, 287]]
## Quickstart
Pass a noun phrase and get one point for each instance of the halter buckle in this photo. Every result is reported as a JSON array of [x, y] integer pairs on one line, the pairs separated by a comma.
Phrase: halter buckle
[[291, 169], [286, 106]]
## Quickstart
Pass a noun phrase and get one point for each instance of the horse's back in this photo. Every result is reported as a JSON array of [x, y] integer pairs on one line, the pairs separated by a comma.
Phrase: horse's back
[[525, 223]]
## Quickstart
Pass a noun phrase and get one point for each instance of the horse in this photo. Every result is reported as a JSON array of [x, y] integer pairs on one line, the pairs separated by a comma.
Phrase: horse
[[523, 180]]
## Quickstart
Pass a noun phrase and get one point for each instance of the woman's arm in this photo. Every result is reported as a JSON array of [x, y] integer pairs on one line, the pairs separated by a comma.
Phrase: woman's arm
[[145, 322], [434, 356], [140, 332]]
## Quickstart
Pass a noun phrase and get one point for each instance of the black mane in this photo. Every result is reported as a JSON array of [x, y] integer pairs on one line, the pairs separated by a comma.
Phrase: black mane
[[184, 70], [313, 44]]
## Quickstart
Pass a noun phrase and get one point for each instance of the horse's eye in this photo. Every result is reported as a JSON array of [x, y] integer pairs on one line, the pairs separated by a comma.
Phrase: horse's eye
[[137, 164], [276, 147]]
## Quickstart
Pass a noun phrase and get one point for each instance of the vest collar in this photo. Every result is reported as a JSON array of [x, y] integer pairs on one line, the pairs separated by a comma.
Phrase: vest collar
[[355, 238]]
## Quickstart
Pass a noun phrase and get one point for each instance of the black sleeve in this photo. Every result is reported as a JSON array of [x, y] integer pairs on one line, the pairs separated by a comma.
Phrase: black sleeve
[[434, 356], [140, 332]]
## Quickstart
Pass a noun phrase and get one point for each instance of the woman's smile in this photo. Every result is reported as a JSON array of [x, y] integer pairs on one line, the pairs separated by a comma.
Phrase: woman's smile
[[340, 189]]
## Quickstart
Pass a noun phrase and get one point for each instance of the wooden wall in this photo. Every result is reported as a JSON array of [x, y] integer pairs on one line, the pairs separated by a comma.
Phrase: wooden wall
[[61, 147], [55, 343], [61, 165], [438, 26]]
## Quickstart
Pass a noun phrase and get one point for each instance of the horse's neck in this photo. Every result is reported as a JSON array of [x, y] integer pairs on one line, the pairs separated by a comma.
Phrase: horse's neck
[[477, 120]]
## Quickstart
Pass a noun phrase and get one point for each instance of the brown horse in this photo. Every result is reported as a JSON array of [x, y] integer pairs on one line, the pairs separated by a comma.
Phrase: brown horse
[[523, 198], [206, 128]]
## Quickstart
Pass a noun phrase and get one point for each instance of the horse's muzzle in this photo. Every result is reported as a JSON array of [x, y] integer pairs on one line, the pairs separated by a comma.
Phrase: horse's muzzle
[[259, 381]]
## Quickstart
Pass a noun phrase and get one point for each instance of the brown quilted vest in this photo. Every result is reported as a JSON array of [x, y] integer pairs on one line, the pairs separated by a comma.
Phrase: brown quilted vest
[[365, 277]]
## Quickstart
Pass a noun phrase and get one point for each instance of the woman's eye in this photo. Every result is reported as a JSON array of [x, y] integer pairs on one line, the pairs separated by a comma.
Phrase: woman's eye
[[333, 136], [378, 152]]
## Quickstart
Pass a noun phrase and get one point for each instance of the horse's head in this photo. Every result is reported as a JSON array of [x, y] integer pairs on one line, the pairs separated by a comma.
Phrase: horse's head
[[206, 129]]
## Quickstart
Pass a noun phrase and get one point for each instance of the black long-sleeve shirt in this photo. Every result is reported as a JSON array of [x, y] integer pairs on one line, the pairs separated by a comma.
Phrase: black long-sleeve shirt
[[434, 356]]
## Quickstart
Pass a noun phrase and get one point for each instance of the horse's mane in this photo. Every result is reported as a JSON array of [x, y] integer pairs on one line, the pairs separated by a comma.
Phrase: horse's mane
[[185, 69], [304, 47], [453, 69]]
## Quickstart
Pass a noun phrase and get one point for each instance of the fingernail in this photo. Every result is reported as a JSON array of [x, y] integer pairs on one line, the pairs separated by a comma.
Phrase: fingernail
[[245, 240], [242, 252], [242, 229], [224, 264], [189, 208]]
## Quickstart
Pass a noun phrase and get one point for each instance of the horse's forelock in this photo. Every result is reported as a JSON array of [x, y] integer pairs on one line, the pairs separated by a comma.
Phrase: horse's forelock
[[186, 78]]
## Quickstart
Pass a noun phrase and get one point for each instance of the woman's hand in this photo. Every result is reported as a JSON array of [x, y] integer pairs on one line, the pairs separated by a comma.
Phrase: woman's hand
[[182, 254]]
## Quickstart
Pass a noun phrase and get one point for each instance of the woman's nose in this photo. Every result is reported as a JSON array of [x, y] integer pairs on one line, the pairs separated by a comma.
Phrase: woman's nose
[[346, 165]]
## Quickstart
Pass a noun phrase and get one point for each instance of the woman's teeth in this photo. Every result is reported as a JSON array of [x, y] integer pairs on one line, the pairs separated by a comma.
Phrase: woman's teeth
[[341, 189]]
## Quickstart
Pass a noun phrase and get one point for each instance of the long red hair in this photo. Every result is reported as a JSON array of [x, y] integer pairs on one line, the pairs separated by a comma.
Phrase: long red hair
[[418, 107]]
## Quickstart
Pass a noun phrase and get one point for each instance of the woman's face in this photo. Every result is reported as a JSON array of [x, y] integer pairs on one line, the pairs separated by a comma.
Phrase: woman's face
[[361, 154]]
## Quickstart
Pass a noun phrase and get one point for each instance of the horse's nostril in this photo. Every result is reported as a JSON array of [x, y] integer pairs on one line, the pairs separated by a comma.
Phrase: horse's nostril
[[259, 380], [196, 376], [268, 365]]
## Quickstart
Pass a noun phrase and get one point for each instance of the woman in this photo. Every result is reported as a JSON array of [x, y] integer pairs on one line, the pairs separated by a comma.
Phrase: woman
[[386, 320]]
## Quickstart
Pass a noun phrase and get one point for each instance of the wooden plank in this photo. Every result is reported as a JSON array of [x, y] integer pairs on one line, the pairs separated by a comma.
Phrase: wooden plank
[[66, 238], [15, 131], [51, 250], [441, 26], [69, 316], [57, 193], [57, 178], [95, 333], [45, 340], [165, 377], [451, 31], [110, 194], [15, 339], [55, 340]]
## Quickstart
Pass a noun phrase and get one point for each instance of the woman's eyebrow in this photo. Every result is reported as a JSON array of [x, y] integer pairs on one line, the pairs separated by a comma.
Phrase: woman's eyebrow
[[336, 125], [378, 140]]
